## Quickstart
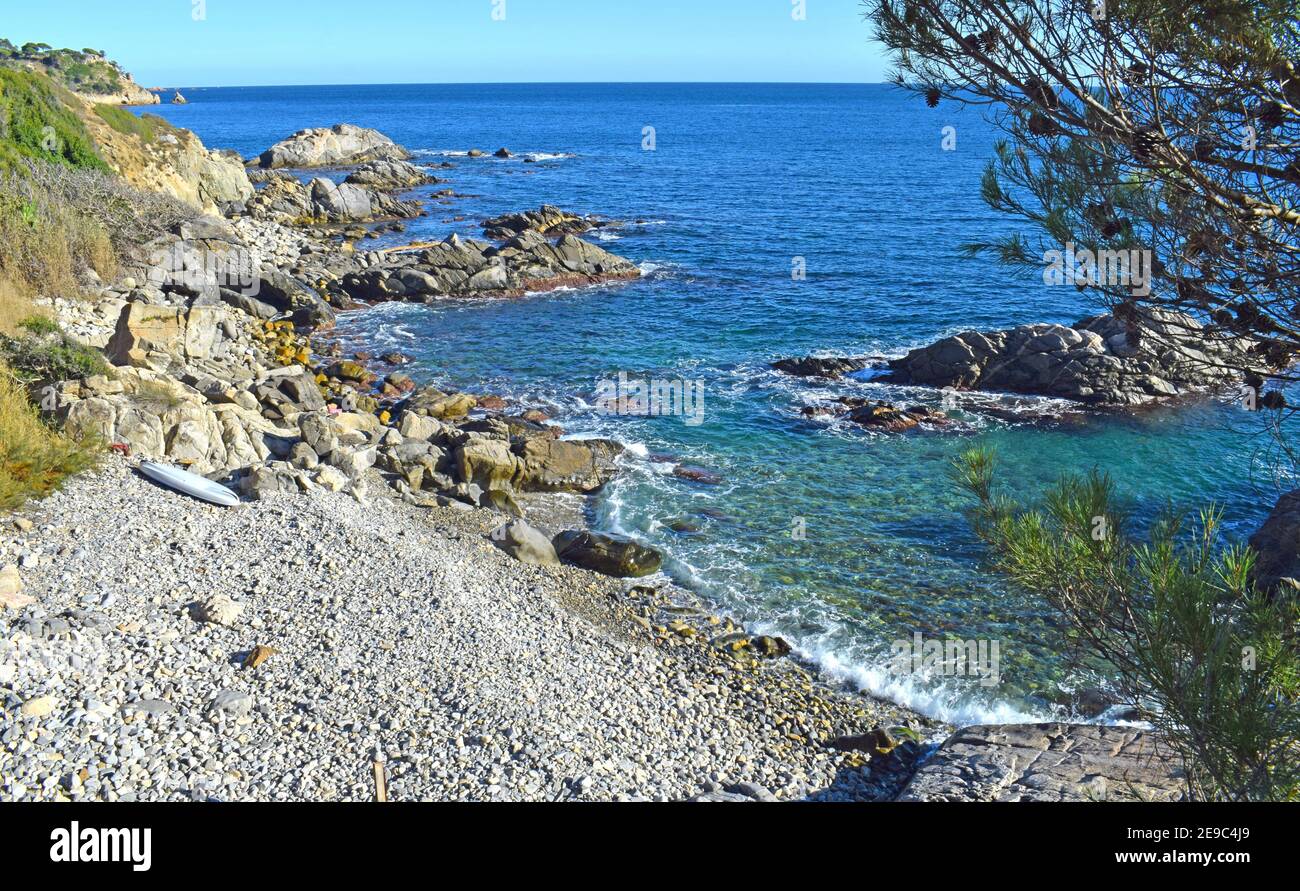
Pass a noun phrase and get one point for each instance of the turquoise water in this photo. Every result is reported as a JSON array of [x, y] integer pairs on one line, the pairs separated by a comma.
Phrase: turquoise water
[[744, 179]]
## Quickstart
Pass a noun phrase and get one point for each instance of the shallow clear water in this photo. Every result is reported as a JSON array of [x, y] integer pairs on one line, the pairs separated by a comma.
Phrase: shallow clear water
[[744, 179]]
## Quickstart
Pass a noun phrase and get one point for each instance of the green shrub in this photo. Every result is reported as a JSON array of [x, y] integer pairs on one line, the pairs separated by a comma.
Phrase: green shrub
[[36, 123], [39, 325], [146, 126], [50, 356], [34, 459], [1211, 661]]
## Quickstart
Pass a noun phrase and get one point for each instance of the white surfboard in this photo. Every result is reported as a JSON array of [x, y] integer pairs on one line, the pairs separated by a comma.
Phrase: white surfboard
[[190, 483]]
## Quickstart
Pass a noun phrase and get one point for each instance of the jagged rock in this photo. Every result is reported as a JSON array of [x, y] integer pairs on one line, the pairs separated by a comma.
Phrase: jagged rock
[[817, 366], [547, 220], [1048, 762], [336, 146], [160, 417], [177, 164], [318, 433], [389, 176], [614, 556], [525, 544], [1099, 360], [159, 336], [465, 268]]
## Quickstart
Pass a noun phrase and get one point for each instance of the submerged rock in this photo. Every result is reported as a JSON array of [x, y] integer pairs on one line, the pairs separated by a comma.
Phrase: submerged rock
[[820, 366]]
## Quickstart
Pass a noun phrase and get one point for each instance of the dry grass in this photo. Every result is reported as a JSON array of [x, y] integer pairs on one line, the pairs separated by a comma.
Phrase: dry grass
[[45, 240], [34, 459], [15, 306]]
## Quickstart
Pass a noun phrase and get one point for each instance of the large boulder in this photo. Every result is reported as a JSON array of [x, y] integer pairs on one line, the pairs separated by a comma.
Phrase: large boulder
[[159, 336], [525, 544], [337, 146], [341, 203], [555, 465], [1277, 547], [1049, 762], [487, 463], [607, 554]]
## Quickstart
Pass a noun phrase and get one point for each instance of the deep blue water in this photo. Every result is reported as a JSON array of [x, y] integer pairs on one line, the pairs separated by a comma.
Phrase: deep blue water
[[744, 179]]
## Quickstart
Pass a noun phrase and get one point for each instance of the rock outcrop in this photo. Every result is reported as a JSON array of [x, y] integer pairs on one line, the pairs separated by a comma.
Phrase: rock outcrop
[[547, 220], [820, 366], [1048, 762], [466, 268], [1099, 360], [337, 146], [174, 163], [285, 199], [389, 176]]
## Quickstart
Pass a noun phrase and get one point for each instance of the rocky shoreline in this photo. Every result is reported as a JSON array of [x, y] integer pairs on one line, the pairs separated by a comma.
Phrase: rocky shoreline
[[398, 581]]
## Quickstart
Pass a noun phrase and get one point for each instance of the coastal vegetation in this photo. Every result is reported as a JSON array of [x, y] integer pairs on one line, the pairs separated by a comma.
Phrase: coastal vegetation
[[84, 71], [1208, 656], [1129, 132], [35, 459]]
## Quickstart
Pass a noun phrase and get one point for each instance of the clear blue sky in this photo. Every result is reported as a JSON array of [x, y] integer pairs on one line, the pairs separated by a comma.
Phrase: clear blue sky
[[245, 42]]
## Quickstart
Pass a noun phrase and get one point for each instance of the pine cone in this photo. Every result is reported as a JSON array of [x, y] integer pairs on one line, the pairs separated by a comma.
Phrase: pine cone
[[1270, 115], [1041, 93], [1146, 143], [932, 97], [1041, 125]]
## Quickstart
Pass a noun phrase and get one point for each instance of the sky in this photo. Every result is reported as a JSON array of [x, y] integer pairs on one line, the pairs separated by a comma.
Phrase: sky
[[258, 42]]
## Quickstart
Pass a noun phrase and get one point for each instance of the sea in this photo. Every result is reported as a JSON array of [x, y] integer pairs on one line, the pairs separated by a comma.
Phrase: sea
[[771, 221]]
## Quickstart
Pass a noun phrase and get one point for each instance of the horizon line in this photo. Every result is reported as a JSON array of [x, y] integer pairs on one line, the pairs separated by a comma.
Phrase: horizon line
[[541, 83]]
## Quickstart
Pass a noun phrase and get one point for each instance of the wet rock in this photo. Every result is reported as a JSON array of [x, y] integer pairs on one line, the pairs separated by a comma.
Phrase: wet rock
[[820, 366], [607, 554]]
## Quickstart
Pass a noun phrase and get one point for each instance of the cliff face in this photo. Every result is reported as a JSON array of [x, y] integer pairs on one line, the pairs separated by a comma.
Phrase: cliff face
[[161, 158], [76, 96]]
